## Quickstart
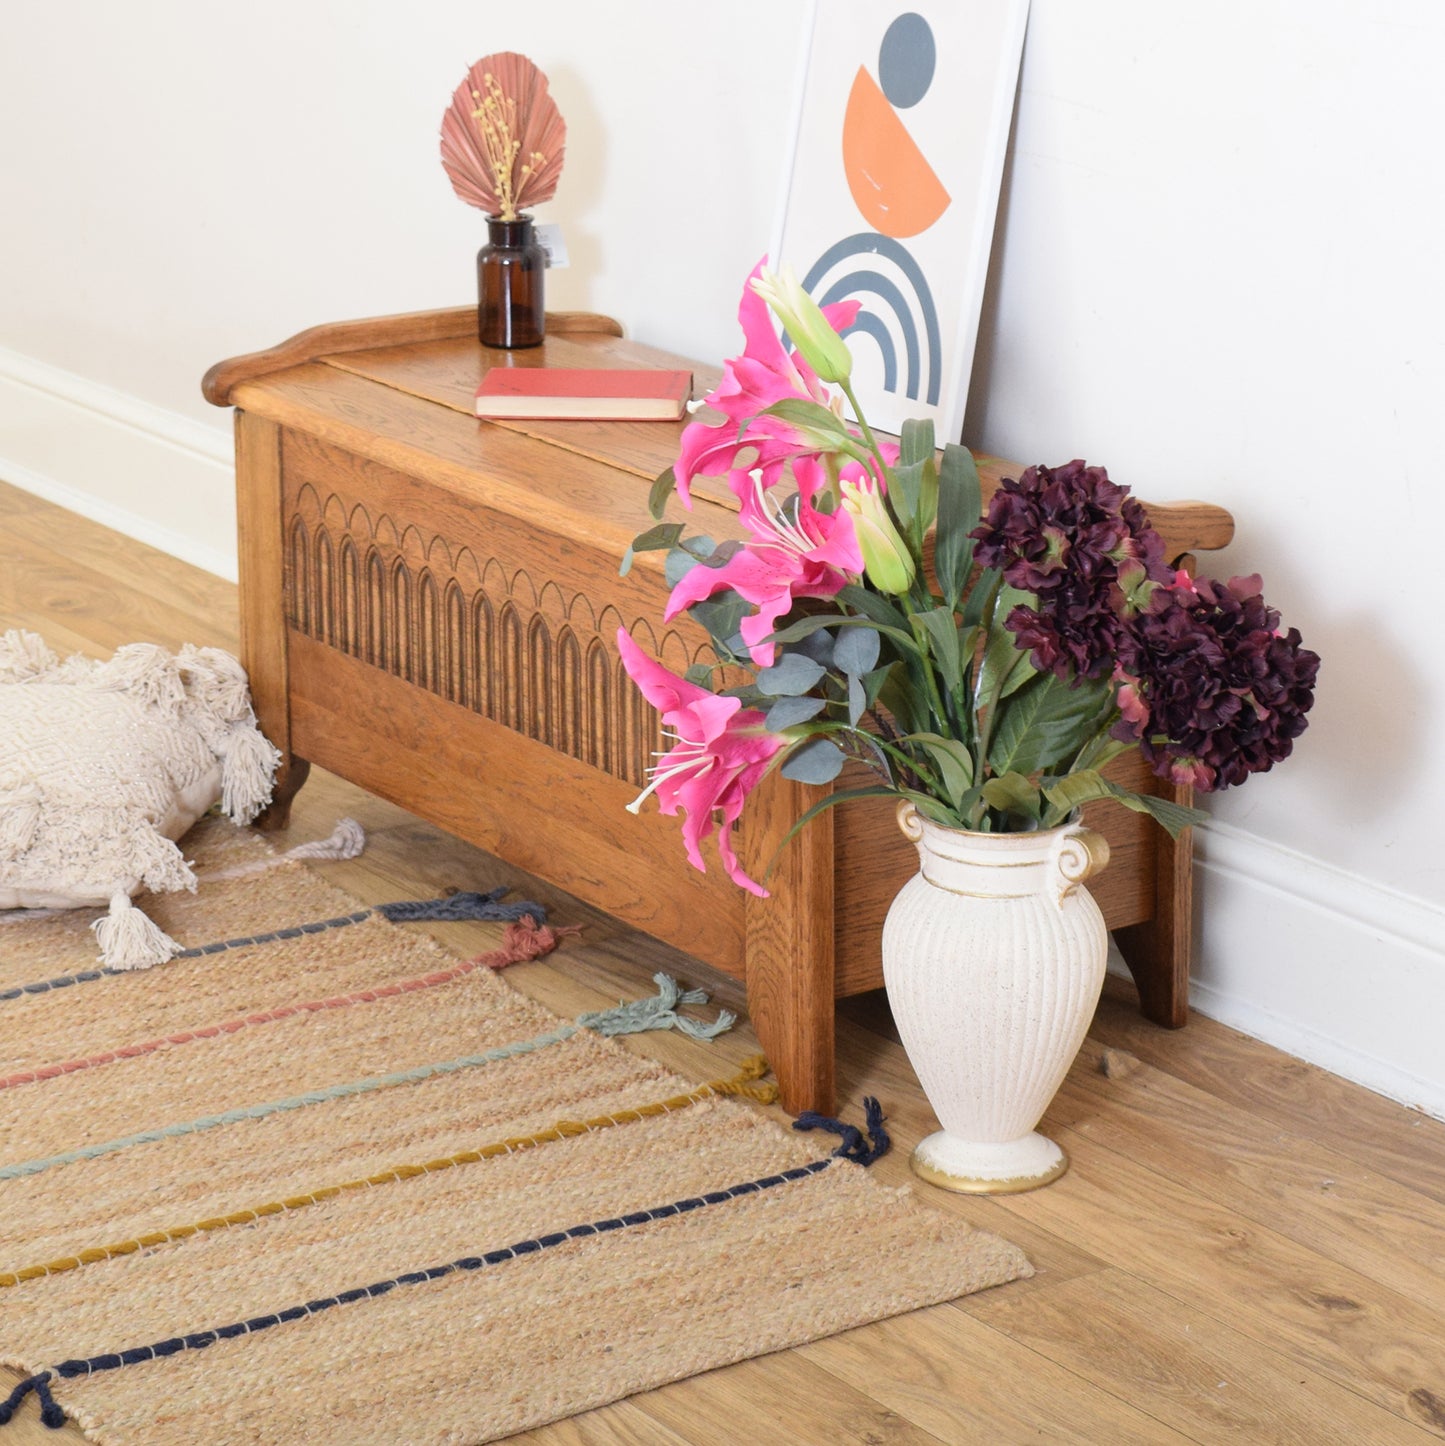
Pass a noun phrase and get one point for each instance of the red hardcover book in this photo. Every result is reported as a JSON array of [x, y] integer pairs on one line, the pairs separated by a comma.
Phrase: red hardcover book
[[612, 394]]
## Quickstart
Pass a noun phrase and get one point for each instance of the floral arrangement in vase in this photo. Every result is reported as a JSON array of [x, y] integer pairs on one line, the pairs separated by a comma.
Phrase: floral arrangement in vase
[[503, 142], [985, 667]]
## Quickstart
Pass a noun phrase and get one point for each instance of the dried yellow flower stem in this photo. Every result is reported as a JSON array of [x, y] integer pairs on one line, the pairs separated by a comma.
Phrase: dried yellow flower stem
[[496, 118]]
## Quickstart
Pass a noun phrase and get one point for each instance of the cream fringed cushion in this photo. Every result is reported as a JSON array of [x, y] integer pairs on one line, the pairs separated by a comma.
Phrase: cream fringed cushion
[[104, 765]]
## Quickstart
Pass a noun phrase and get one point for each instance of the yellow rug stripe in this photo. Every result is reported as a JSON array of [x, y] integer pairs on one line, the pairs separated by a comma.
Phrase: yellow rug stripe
[[741, 1083]]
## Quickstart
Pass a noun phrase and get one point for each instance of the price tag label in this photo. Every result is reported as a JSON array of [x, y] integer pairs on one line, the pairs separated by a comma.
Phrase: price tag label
[[549, 238]]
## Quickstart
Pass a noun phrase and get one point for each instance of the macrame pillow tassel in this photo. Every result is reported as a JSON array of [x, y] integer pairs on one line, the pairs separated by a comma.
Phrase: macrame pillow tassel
[[659, 1011], [215, 681], [19, 818], [249, 763], [129, 940], [146, 672], [24, 657]]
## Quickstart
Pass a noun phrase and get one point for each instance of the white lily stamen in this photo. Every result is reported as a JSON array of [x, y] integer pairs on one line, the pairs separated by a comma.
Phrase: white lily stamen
[[790, 535], [701, 760]]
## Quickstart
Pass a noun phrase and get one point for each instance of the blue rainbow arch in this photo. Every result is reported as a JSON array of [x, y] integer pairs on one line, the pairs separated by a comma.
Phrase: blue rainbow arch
[[883, 298]]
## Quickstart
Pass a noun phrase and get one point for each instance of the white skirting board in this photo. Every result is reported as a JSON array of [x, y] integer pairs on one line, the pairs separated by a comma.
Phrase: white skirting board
[[1321, 963], [150, 473]]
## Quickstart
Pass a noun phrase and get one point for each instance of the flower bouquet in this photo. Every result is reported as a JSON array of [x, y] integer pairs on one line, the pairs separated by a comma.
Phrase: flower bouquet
[[985, 667]]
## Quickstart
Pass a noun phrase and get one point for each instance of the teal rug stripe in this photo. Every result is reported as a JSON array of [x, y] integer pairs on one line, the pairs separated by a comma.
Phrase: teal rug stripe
[[295, 1102]]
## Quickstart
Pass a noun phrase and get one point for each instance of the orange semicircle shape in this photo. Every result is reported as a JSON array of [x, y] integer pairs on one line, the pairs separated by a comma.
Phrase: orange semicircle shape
[[892, 185]]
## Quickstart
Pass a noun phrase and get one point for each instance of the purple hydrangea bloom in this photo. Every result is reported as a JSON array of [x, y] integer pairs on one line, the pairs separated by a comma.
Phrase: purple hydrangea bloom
[[1085, 547], [1214, 691]]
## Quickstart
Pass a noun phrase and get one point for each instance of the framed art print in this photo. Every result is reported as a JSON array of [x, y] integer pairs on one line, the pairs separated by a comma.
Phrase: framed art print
[[902, 125]]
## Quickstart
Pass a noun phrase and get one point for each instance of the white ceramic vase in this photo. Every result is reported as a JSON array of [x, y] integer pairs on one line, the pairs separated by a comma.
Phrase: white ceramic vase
[[993, 956]]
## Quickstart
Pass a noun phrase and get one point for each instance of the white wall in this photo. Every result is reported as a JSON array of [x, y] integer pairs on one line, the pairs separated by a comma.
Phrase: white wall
[[1216, 272]]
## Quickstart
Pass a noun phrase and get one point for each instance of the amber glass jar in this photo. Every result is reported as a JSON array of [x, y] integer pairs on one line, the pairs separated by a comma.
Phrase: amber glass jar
[[511, 270]]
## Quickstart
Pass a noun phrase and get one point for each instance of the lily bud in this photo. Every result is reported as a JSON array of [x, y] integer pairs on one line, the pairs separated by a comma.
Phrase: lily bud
[[886, 559], [822, 348]]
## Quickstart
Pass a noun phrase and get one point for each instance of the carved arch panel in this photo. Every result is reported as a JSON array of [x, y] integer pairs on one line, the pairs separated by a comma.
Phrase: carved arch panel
[[533, 657]]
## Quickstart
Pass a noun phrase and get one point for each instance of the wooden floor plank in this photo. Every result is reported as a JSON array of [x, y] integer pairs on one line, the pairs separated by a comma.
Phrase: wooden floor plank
[[44, 581], [181, 588], [1320, 1315], [1308, 1192], [1194, 1373], [779, 1398], [967, 1381], [1287, 1092], [622, 1424]]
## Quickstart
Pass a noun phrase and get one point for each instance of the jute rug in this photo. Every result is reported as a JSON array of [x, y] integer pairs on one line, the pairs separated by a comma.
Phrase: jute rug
[[318, 1179]]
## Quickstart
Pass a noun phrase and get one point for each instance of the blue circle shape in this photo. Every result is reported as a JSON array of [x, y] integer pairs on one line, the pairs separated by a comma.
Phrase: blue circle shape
[[906, 60]]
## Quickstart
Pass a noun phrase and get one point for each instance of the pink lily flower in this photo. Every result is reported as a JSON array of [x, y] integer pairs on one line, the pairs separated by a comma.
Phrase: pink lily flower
[[765, 373], [721, 753], [806, 554]]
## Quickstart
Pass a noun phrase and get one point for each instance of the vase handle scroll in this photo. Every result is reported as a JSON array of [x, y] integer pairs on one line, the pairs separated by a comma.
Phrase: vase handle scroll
[[1079, 854], [910, 823]]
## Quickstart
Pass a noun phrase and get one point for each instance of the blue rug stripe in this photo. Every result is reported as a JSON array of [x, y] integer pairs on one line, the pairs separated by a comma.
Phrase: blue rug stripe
[[464, 907], [199, 1340]]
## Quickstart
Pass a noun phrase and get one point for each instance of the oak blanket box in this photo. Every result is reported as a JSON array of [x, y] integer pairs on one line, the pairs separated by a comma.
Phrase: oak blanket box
[[428, 607]]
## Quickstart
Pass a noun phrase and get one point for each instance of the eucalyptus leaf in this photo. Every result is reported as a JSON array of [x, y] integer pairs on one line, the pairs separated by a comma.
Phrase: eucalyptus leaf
[[662, 489], [818, 760], [655, 539], [818, 646], [857, 699], [720, 613], [856, 651], [793, 673], [960, 507], [804, 626], [678, 565], [665, 534], [702, 546], [787, 712]]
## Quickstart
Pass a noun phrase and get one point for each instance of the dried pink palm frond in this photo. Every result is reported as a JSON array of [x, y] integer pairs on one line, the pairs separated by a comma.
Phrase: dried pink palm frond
[[503, 138]]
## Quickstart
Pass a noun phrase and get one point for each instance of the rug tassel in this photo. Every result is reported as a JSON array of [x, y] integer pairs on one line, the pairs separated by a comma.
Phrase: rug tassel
[[347, 840], [752, 1068], [524, 941], [464, 906], [50, 1413], [658, 1011], [129, 940], [853, 1147]]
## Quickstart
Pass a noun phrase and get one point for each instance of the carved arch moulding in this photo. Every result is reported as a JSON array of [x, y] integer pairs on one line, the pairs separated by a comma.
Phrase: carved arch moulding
[[537, 659]]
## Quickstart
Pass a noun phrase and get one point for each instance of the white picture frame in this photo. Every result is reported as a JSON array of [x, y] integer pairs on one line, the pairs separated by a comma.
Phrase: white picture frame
[[891, 190]]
